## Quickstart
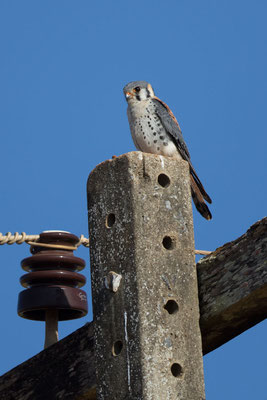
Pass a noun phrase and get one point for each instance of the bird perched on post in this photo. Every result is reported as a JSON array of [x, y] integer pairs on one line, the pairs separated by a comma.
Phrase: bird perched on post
[[155, 130]]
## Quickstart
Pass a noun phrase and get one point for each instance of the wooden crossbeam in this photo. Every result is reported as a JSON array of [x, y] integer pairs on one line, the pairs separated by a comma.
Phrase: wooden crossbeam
[[233, 287], [64, 370]]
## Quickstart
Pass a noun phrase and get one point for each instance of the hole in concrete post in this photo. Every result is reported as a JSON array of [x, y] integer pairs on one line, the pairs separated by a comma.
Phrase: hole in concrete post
[[168, 243], [117, 347], [171, 306], [164, 180], [177, 370], [110, 220]]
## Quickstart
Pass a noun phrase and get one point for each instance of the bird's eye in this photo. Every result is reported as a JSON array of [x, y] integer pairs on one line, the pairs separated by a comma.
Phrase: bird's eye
[[137, 89]]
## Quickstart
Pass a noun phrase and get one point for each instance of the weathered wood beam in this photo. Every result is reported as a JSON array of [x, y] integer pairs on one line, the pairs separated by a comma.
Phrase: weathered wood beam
[[233, 287], [63, 371]]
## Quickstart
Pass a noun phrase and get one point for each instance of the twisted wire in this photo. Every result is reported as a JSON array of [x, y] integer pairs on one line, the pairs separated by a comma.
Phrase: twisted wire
[[22, 237]]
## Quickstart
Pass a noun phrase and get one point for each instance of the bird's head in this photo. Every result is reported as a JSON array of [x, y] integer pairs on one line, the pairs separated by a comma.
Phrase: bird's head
[[138, 91]]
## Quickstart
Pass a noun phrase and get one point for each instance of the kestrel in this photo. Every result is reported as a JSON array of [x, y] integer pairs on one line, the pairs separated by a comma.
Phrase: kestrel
[[155, 130]]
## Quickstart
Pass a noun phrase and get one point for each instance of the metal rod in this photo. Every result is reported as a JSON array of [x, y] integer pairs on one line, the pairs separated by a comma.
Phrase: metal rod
[[51, 327]]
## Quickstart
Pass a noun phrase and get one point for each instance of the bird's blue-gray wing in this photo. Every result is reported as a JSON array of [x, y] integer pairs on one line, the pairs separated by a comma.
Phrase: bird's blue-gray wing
[[171, 126]]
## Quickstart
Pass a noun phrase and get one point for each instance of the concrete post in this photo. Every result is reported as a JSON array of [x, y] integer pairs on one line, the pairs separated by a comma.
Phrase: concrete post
[[144, 284]]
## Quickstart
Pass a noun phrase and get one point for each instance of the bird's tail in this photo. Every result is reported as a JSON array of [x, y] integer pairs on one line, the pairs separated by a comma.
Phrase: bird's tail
[[198, 199]]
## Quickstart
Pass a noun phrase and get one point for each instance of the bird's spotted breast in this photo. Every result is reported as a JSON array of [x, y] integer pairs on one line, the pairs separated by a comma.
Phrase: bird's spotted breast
[[148, 133]]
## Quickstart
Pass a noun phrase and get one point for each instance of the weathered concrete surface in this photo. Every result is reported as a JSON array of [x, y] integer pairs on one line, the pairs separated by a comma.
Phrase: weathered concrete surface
[[233, 287], [148, 343], [64, 371]]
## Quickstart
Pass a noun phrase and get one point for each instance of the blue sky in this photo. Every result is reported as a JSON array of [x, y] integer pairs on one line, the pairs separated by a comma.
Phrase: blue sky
[[63, 67]]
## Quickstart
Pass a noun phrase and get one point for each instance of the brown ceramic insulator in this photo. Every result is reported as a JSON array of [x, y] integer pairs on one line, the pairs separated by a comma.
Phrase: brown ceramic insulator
[[52, 282], [56, 259], [58, 277]]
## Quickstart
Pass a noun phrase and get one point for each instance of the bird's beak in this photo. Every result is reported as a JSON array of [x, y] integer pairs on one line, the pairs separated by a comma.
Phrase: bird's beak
[[128, 95]]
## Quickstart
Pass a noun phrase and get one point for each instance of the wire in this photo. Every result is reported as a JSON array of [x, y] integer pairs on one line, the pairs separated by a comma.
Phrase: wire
[[22, 237]]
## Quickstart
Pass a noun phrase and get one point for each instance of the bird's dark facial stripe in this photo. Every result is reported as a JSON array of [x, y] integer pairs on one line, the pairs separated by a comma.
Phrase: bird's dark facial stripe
[[138, 98], [148, 93]]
